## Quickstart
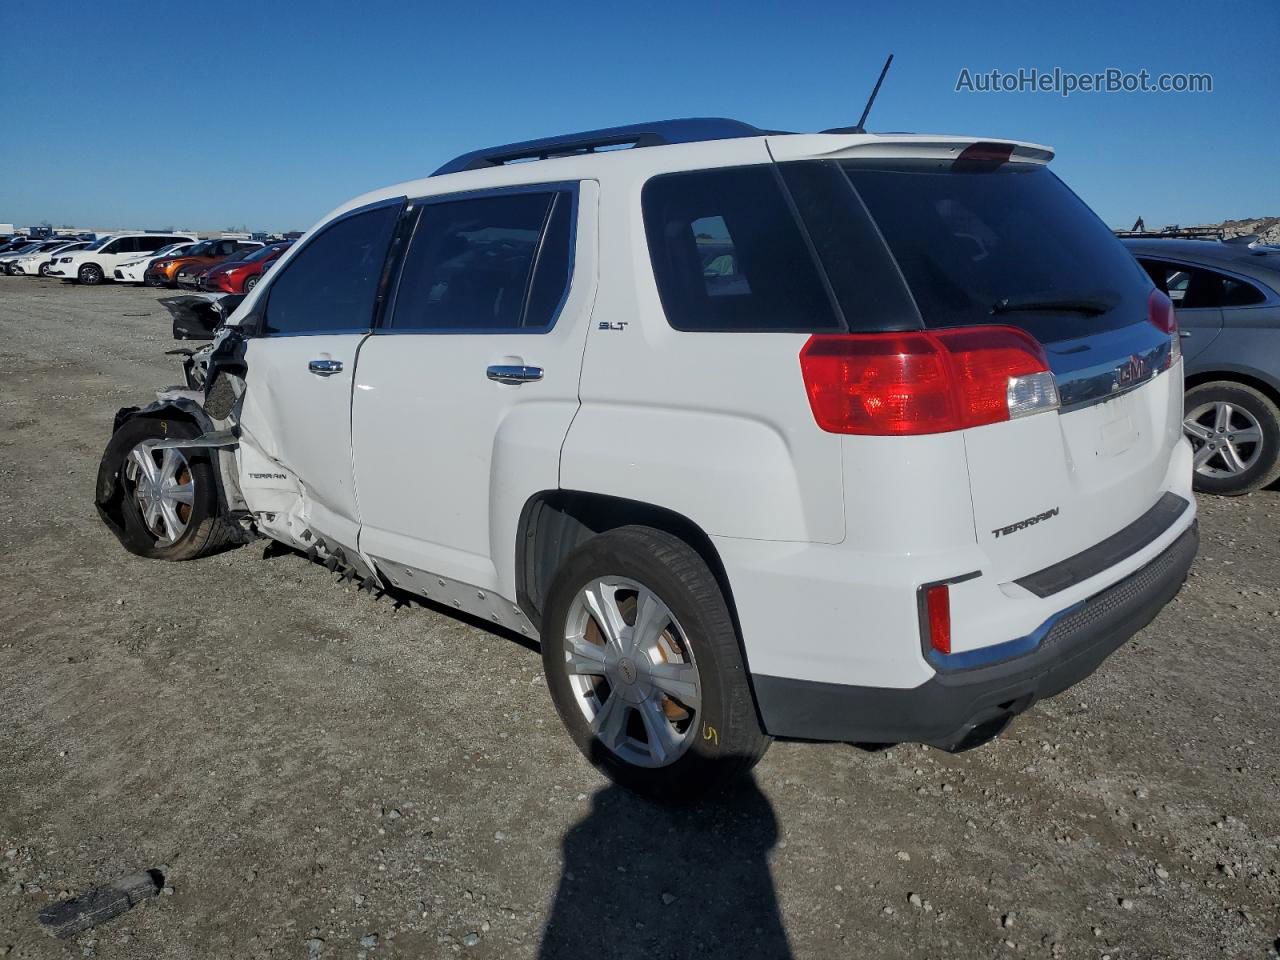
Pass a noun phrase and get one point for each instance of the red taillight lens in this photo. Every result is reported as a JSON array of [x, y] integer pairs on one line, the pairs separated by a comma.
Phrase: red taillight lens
[[937, 601], [894, 384], [1160, 313]]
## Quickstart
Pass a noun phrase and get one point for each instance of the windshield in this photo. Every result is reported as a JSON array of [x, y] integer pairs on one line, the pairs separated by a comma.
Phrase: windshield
[[1015, 241], [170, 249], [99, 243], [264, 253], [200, 249], [28, 248]]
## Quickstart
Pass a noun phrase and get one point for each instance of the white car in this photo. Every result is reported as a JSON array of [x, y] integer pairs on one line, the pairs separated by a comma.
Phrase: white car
[[131, 271], [840, 436], [98, 261], [37, 262], [36, 247]]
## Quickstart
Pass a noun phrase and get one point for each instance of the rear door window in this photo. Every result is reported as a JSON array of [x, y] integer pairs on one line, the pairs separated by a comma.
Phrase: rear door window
[[729, 255], [331, 285], [967, 240], [1198, 288], [483, 264]]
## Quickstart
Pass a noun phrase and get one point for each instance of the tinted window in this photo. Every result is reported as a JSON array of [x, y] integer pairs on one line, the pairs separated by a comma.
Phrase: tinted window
[[147, 244], [967, 240], [728, 255], [490, 263], [1192, 288], [332, 282]]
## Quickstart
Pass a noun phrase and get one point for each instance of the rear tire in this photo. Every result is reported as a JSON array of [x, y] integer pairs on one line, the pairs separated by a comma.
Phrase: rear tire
[[1235, 432], [249, 284], [90, 274], [191, 523], [683, 720]]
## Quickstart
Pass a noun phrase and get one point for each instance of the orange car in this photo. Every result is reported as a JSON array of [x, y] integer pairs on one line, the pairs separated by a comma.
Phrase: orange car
[[164, 272]]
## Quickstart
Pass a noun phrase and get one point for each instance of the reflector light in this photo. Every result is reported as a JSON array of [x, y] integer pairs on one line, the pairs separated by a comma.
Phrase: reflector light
[[921, 382], [938, 607]]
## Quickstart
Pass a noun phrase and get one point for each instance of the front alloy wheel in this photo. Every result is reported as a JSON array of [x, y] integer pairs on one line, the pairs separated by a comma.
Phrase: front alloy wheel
[[90, 274]]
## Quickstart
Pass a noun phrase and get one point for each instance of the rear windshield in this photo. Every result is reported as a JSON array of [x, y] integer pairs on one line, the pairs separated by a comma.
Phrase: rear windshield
[[968, 241]]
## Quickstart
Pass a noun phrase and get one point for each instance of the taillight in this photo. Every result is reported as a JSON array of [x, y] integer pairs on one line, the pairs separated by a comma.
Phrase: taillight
[[1161, 316], [937, 601], [919, 382]]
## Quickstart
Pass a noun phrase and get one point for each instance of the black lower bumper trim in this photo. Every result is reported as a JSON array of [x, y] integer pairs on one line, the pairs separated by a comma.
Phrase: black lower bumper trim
[[956, 710]]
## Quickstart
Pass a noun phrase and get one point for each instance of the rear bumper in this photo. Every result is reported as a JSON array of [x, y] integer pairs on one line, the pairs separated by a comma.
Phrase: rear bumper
[[958, 709]]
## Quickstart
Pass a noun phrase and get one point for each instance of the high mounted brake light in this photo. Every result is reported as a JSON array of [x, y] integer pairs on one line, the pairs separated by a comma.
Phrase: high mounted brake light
[[921, 382]]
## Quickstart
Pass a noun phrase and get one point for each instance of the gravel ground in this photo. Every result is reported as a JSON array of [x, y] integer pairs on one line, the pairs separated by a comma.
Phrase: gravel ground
[[321, 773]]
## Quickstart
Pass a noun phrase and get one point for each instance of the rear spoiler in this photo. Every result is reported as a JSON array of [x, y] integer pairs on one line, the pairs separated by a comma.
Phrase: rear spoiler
[[900, 146]]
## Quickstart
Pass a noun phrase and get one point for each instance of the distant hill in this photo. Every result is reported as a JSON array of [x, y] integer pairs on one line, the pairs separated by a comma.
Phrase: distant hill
[[1266, 229]]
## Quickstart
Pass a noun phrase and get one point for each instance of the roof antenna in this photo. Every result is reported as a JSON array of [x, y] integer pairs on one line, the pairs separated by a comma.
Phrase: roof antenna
[[861, 125]]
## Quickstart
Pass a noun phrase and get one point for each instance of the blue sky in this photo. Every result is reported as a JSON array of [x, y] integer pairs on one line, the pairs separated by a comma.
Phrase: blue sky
[[269, 115]]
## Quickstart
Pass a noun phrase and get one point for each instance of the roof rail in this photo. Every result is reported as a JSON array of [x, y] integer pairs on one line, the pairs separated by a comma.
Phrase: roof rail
[[655, 134]]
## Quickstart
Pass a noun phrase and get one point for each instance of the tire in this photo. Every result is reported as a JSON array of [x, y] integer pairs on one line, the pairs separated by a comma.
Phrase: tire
[[668, 749], [1235, 432], [203, 528], [90, 274], [250, 283], [44, 269]]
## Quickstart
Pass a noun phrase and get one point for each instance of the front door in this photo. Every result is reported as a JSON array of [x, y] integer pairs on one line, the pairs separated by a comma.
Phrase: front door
[[463, 398], [296, 420]]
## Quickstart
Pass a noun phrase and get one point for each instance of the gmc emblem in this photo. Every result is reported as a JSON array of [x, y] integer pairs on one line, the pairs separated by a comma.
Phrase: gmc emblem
[[1130, 372]]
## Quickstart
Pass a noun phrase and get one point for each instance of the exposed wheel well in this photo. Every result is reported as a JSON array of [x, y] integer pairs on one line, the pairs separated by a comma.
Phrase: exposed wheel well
[[555, 522], [1262, 386]]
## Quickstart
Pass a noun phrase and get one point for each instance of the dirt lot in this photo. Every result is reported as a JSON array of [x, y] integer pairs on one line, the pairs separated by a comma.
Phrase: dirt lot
[[321, 773]]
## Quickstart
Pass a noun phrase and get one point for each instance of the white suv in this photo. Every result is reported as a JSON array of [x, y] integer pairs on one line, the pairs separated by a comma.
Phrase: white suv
[[98, 261], [843, 436]]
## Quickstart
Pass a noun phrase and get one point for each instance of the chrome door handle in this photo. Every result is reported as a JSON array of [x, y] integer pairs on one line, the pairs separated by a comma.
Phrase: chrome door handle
[[1184, 334], [325, 368], [512, 373]]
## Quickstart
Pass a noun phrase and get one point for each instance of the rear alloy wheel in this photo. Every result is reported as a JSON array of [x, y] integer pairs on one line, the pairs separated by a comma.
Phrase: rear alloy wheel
[[644, 666], [90, 274], [1235, 433], [250, 283]]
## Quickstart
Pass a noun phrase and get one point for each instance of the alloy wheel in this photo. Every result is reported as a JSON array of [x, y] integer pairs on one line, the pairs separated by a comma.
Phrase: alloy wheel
[[163, 488], [632, 671], [1226, 437]]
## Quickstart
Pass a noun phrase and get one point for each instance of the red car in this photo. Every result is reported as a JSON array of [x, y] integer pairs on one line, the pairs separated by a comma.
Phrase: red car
[[241, 276]]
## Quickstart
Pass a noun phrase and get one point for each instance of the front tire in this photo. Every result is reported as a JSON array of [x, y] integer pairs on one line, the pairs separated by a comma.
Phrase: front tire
[[44, 269], [169, 498], [90, 274], [643, 663], [1235, 433]]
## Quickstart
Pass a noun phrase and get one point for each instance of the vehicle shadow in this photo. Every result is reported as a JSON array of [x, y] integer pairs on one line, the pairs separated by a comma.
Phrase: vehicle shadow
[[647, 881]]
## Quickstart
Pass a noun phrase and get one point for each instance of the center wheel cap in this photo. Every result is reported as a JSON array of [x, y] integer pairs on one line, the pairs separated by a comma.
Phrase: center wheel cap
[[627, 670]]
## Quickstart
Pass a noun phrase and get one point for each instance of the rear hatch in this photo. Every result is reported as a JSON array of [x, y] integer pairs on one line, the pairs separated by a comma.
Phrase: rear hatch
[[983, 236]]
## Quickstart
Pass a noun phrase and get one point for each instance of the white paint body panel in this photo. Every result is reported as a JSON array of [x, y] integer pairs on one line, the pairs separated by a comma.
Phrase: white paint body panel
[[447, 458], [825, 539]]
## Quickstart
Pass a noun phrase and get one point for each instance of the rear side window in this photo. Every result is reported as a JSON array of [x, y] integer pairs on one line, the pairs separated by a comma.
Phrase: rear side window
[[1193, 288], [968, 240], [728, 254], [331, 284], [489, 263]]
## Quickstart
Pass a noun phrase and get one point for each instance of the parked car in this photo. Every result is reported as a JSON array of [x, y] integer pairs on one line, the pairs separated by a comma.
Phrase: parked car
[[13, 243], [241, 275], [24, 250], [97, 262], [783, 498], [134, 271], [41, 260], [1227, 300], [164, 272]]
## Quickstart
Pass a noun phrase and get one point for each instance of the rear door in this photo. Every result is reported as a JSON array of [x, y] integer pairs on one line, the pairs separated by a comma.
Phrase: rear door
[[296, 416], [1009, 244], [1197, 296], [464, 396]]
